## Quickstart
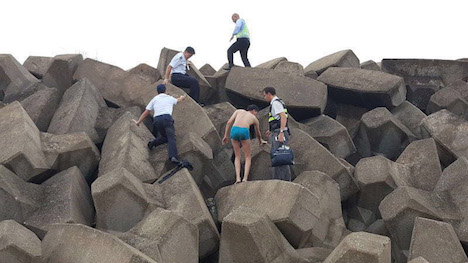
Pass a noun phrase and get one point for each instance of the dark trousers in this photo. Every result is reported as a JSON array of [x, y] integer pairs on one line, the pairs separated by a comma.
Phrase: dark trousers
[[165, 126], [242, 45], [280, 172], [188, 82]]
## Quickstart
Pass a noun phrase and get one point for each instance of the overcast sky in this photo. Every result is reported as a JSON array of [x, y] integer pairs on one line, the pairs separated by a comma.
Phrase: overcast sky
[[126, 33]]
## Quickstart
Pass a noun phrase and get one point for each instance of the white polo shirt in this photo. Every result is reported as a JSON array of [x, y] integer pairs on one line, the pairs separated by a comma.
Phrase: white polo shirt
[[276, 108], [179, 64], [162, 104]]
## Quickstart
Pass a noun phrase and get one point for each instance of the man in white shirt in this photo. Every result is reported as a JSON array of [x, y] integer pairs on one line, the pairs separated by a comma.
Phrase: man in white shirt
[[177, 69], [162, 106], [278, 131]]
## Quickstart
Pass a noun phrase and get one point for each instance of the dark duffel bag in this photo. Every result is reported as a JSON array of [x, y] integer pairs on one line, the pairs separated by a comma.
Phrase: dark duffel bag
[[284, 155]]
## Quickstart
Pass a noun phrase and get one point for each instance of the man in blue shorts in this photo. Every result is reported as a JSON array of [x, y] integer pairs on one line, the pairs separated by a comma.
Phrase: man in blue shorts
[[237, 129]]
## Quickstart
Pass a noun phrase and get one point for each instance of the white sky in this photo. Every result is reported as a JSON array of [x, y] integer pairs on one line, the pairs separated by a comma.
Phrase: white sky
[[126, 33]]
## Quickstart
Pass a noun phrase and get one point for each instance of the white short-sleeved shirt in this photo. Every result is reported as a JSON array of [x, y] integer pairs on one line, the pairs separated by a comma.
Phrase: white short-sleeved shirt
[[179, 64], [162, 104], [276, 108]]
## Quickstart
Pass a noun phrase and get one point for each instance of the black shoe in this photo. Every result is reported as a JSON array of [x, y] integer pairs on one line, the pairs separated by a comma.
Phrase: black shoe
[[201, 104], [227, 68], [150, 145], [174, 160]]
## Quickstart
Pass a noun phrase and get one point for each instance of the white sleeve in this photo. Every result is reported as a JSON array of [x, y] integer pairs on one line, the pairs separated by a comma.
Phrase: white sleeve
[[150, 105], [175, 101], [276, 108], [175, 61]]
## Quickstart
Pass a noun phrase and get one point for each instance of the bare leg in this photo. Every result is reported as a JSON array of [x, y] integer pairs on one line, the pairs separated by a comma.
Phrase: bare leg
[[237, 162], [248, 158]]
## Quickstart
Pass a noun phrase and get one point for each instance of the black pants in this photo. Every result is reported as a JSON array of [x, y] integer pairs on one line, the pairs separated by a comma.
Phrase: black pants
[[280, 172], [165, 126], [186, 81], [242, 45]]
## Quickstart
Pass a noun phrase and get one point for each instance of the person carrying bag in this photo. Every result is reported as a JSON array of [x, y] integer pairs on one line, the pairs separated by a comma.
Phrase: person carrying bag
[[281, 154]]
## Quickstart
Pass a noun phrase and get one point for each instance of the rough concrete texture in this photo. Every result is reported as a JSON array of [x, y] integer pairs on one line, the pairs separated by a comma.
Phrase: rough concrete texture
[[68, 150], [331, 134], [314, 254], [76, 243], [59, 75], [38, 66], [13, 74], [328, 192], [78, 111], [181, 195], [41, 107], [18, 244], [450, 99], [25, 159], [449, 131], [66, 198], [435, 241], [422, 159], [207, 70], [125, 146], [290, 67], [243, 238], [271, 64], [120, 200], [361, 247], [362, 87], [305, 97], [380, 133], [296, 215], [311, 155], [165, 237], [371, 65], [147, 72], [377, 177], [410, 116], [403, 205], [344, 58]]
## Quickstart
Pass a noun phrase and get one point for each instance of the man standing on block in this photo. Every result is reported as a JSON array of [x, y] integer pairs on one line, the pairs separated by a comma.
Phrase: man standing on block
[[162, 106], [177, 70], [242, 44], [240, 121], [278, 130]]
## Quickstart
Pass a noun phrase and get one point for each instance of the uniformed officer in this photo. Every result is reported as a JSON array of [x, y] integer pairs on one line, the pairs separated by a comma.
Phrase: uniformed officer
[[177, 70], [162, 106], [278, 131], [242, 44]]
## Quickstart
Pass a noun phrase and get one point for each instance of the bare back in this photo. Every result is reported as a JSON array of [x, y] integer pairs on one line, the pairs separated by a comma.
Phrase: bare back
[[244, 119]]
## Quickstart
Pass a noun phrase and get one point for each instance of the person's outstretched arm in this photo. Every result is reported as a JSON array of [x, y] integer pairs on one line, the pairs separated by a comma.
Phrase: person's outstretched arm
[[181, 98], [168, 73], [259, 134], [229, 124], [237, 29], [142, 117]]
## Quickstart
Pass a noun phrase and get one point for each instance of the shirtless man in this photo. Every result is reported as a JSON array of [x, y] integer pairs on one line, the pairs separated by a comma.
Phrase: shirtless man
[[240, 121]]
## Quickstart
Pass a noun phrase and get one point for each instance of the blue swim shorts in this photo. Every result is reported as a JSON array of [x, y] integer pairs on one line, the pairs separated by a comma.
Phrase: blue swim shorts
[[239, 133]]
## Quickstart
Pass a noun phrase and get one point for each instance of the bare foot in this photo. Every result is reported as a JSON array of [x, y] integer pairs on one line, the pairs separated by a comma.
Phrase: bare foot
[[244, 180], [237, 182]]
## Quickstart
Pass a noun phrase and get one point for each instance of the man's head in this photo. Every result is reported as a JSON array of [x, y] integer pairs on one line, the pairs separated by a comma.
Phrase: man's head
[[161, 88], [269, 93], [252, 108], [189, 52], [235, 17]]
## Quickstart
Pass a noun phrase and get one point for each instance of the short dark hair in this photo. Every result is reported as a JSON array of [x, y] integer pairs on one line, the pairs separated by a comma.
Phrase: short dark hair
[[252, 107], [270, 90], [161, 88], [190, 50]]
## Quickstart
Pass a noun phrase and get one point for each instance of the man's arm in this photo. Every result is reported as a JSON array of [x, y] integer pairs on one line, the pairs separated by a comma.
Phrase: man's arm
[[237, 29], [181, 98], [229, 124], [257, 130], [283, 121], [142, 117], [168, 73]]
